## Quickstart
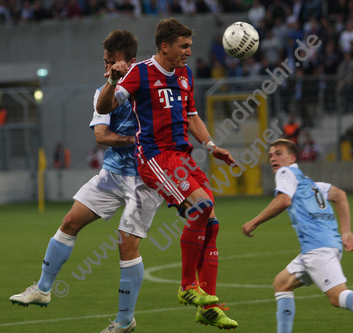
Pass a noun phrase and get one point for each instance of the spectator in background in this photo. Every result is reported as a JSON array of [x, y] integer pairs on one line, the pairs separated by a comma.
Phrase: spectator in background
[[330, 58], [201, 7], [232, 6], [217, 52], [73, 9], [297, 9], [295, 32], [309, 151], [95, 157], [256, 13], [280, 30], [345, 81], [234, 67], [175, 7], [218, 71], [188, 7], [126, 8], [291, 129], [271, 47], [311, 8], [58, 156], [278, 10], [150, 7], [203, 71], [26, 12], [39, 12], [251, 67], [3, 116], [346, 38]]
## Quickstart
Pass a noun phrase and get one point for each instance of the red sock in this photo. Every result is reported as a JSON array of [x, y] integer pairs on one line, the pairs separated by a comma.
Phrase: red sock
[[191, 243], [208, 261]]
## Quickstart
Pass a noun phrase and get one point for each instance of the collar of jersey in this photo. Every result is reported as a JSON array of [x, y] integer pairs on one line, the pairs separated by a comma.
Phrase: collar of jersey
[[161, 68], [294, 165]]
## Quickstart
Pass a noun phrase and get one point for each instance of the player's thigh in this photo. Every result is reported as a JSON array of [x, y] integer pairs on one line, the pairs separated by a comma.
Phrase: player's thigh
[[103, 194], [324, 267], [286, 281], [167, 174], [141, 205], [293, 276]]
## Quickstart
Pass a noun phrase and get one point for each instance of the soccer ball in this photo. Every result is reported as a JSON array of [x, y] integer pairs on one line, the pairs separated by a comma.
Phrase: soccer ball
[[240, 40]]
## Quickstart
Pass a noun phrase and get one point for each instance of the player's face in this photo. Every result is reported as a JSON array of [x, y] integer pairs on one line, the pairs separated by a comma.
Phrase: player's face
[[111, 58], [178, 52], [279, 157]]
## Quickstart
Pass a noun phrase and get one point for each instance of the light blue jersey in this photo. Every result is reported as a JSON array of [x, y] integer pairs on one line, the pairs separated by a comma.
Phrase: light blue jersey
[[122, 121], [312, 216]]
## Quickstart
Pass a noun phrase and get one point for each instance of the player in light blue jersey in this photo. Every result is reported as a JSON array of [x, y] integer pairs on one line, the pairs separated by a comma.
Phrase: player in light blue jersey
[[315, 224], [117, 184]]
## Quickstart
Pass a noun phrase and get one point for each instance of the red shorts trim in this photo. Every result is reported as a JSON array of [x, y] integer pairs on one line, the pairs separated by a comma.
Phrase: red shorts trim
[[174, 175]]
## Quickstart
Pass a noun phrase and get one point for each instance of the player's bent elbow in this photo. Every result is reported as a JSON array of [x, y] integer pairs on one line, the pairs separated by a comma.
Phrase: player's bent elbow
[[286, 201]]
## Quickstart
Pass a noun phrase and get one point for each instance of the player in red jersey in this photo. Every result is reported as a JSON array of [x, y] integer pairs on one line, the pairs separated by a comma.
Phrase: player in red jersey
[[161, 92]]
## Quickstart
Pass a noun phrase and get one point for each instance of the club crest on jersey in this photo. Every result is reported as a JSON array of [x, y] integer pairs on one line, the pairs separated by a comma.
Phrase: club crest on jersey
[[184, 185], [184, 82]]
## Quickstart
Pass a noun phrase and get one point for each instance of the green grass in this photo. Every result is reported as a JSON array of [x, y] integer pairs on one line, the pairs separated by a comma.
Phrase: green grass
[[247, 268]]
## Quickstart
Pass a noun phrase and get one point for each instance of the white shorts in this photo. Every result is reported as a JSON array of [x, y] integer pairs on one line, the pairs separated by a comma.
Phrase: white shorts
[[320, 266], [106, 192]]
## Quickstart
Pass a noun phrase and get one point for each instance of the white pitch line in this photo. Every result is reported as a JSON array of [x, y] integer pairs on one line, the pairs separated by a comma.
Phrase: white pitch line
[[145, 311], [148, 272]]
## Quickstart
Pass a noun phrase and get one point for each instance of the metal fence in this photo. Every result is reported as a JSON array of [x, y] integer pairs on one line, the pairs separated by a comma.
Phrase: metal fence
[[322, 105]]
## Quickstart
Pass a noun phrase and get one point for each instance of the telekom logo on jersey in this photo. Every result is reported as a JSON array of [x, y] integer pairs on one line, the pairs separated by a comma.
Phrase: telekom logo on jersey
[[166, 96]]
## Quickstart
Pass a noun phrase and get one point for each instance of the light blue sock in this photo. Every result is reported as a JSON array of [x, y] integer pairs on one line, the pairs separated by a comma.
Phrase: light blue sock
[[285, 311], [129, 288], [58, 251], [346, 299]]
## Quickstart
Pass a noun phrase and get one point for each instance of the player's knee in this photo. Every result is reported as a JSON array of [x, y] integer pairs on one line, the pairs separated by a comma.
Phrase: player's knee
[[279, 284], [203, 207], [70, 225], [334, 301]]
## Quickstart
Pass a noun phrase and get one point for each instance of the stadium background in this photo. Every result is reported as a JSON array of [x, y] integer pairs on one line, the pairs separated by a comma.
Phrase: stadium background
[[69, 49]]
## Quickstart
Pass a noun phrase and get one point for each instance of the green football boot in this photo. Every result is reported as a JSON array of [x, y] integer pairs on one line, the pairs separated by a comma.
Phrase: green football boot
[[215, 317], [196, 296]]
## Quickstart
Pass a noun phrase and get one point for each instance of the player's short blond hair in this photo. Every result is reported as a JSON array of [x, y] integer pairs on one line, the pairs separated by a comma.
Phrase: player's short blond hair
[[290, 145], [169, 30]]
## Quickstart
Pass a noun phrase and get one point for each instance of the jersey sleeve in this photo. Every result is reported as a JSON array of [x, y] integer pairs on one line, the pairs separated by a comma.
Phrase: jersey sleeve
[[191, 105], [98, 119], [324, 188], [286, 182], [128, 85]]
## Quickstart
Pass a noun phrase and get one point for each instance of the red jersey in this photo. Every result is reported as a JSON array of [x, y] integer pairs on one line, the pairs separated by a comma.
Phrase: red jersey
[[162, 101]]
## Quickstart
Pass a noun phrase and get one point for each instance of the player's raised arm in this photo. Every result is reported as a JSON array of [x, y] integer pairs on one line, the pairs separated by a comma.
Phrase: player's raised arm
[[340, 202], [276, 207], [107, 101], [105, 136], [199, 131]]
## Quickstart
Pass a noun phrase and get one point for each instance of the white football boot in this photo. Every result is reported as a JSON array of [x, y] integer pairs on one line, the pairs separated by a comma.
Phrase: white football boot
[[32, 295], [116, 327]]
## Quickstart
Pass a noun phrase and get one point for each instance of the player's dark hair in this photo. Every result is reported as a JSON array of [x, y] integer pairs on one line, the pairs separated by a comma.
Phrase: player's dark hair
[[168, 31], [290, 145], [121, 41]]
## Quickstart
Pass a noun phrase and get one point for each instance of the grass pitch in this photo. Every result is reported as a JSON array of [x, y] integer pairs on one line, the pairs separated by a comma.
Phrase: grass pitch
[[247, 267]]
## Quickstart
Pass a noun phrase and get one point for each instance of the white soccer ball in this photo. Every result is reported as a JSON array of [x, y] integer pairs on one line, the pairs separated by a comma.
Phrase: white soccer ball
[[241, 40]]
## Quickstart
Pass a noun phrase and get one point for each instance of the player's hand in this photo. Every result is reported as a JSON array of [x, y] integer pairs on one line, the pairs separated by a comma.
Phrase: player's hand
[[347, 240], [224, 155], [117, 71], [247, 228]]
